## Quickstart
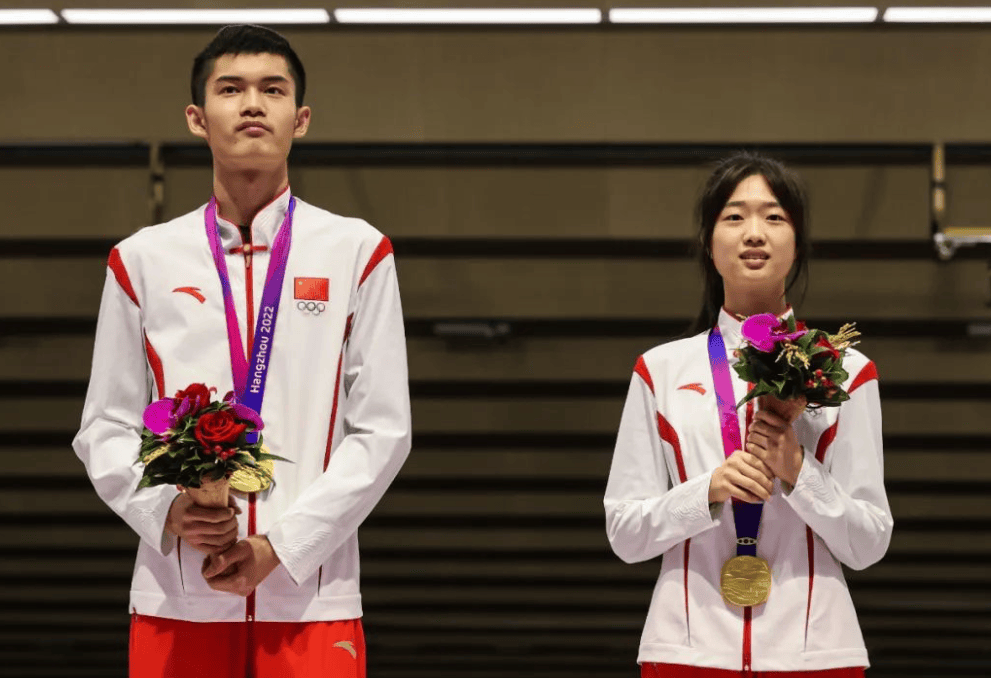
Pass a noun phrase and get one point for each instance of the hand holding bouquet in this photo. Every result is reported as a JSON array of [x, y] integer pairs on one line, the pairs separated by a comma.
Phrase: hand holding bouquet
[[198, 444], [786, 361]]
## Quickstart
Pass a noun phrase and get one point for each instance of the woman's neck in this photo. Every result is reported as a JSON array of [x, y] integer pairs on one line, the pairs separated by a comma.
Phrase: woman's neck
[[751, 304], [241, 195]]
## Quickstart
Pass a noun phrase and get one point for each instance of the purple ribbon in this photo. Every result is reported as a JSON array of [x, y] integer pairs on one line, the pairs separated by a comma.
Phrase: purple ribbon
[[249, 387], [746, 516]]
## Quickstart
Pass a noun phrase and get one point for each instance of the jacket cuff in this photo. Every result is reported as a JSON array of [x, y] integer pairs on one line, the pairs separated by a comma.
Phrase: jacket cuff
[[149, 512], [812, 487]]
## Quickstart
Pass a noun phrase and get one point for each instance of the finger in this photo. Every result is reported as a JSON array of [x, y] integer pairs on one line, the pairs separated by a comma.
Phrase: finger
[[770, 418], [757, 438], [742, 494], [209, 515], [232, 556], [758, 475], [231, 502], [203, 527], [758, 464], [764, 428], [758, 486]]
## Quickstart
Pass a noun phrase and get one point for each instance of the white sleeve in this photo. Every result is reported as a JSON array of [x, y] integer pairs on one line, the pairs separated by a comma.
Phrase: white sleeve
[[846, 504], [645, 514], [377, 433], [109, 436]]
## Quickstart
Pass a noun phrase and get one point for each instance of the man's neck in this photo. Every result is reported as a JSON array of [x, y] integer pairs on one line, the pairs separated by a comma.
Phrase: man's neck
[[241, 195], [752, 304]]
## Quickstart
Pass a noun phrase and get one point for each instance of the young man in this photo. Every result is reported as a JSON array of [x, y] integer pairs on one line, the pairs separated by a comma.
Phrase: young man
[[183, 303]]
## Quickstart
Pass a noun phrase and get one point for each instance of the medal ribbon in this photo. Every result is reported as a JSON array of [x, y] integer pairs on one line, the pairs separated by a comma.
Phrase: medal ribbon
[[249, 388], [746, 516]]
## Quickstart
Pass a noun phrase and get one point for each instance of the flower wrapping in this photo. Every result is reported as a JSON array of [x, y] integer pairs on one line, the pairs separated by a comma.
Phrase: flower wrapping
[[190, 440], [789, 361]]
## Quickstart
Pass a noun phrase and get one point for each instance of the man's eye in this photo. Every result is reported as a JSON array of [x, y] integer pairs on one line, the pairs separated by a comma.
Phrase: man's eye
[[273, 90], [228, 89]]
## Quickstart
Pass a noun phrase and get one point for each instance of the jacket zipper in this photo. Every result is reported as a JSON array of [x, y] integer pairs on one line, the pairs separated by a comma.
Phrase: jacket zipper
[[249, 613]]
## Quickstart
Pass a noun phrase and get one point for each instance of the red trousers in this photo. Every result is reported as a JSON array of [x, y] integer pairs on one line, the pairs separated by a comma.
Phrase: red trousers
[[170, 648], [650, 670]]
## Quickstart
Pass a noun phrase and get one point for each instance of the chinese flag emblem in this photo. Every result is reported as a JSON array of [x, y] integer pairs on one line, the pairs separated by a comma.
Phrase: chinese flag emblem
[[312, 289]]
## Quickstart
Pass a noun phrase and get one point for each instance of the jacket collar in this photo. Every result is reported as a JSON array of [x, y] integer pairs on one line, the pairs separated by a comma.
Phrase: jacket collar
[[263, 227], [730, 326]]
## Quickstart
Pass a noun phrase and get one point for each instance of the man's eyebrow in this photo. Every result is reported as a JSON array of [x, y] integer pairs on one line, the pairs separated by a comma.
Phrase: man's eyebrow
[[741, 203], [239, 79]]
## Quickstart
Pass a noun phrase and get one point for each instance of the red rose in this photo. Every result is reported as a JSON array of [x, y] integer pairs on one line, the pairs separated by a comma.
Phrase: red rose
[[216, 428], [198, 395], [824, 343]]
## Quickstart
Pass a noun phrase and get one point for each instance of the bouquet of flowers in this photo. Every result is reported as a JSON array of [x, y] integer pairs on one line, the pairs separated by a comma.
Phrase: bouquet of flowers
[[199, 444], [786, 360]]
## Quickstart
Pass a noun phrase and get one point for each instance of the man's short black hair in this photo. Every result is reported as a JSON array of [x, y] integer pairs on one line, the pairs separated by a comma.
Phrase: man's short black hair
[[245, 39]]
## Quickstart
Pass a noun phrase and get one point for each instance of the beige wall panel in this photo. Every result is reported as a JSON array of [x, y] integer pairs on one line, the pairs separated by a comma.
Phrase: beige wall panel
[[968, 202], [873, 202], [898, 360], [592, 84], [70, 202], [547, 288], [592, 415]]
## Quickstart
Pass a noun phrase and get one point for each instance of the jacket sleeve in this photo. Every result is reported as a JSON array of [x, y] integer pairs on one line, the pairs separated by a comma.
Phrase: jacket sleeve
[[110, 432], [375, 414], [846, 504], [646, 513]]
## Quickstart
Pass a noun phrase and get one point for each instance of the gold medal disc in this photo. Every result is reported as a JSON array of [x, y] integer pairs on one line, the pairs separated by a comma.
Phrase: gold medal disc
[[250, 480], [745, 581]]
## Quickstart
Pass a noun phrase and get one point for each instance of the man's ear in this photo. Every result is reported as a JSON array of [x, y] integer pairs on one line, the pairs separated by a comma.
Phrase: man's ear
[[196, 120], [302, 122]]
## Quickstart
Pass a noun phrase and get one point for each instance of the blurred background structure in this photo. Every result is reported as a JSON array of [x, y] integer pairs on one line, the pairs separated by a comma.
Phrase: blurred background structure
[[537, 183]]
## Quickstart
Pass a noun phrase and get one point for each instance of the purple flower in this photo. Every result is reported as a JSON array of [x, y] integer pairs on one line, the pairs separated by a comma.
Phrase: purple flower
[[764, 330], [161, 415], [245, 413]]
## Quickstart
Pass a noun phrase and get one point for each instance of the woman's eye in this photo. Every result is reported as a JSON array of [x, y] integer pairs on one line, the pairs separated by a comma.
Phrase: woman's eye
[[734, 217], [776, 217]]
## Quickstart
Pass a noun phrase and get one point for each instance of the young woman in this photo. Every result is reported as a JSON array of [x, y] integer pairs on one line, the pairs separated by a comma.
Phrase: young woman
[[679, 487]]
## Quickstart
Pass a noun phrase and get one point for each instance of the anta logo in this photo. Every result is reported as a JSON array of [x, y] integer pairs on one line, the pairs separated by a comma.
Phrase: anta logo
[[694, 386], [194, 292], [347, 645]]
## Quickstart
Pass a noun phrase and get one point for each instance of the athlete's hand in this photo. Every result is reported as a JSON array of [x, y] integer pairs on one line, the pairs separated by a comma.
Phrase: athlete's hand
[[742, 476], [242, 567], [772, 438], [210, 530]]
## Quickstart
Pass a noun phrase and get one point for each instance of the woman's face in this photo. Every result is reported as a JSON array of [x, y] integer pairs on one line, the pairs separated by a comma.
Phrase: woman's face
[[753, 242]]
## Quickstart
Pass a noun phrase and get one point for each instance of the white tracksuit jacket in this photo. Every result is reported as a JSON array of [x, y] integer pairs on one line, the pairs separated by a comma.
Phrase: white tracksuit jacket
[[656, 503], [336, 403]]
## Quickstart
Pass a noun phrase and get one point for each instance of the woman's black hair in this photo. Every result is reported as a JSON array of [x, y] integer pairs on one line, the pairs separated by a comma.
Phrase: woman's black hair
[[727, 175]]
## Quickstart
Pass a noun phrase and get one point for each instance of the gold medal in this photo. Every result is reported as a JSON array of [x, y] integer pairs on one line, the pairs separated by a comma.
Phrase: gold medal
[[248, 480], [745, 581]]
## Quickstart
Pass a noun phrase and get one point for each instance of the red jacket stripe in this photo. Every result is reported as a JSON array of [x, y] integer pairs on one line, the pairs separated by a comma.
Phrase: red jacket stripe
[[156, 367], [671, 436], [641, 369], [383, 250], [812, 573], [868, 372], [825, 440], [117, 266]]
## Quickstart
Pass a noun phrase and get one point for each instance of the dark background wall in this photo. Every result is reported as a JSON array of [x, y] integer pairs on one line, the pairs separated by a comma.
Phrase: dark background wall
[[488, 557]]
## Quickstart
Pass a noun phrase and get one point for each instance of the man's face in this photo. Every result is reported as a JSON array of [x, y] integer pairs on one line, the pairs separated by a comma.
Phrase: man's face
[[249, 117]]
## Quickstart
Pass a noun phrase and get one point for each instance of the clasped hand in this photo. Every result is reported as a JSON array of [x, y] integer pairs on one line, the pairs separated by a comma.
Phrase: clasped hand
[[230, 565], [771, 451]]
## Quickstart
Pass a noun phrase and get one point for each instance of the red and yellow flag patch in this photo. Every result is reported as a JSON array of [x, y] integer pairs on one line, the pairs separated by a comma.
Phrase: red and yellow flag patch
[[312, 289]]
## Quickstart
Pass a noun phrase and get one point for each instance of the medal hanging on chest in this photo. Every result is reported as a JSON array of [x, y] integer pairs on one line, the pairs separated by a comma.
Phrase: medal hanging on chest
[[745, 579], [249, 385]]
